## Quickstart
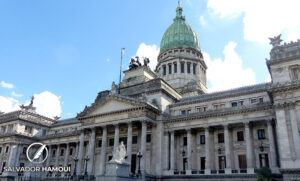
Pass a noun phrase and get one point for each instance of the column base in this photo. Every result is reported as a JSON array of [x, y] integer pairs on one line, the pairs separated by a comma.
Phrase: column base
[[207, 171], [228, 171], [188, 172], [275, 170], [250, 170]]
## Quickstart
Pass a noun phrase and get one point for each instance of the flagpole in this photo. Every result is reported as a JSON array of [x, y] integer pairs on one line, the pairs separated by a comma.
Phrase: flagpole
[[122, 50]]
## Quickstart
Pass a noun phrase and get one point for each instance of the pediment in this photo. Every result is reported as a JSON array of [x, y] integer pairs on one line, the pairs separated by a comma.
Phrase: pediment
[[112, 106]]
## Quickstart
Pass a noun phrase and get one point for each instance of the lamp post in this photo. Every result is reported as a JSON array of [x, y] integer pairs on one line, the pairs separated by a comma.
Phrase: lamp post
[[262, 147], [75, 166], [86, 160], [139, 155]]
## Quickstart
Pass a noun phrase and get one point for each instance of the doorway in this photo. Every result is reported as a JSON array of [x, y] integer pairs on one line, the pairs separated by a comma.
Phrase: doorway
[[133, 163]]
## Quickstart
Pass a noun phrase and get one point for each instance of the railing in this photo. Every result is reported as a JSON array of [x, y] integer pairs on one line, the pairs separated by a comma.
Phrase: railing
[[213, 172]]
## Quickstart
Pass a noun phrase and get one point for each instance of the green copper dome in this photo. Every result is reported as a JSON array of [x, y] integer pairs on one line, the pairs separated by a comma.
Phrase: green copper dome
[[179, 34]]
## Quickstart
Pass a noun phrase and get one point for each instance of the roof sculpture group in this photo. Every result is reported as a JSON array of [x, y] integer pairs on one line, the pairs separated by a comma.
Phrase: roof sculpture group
[[135, 62]]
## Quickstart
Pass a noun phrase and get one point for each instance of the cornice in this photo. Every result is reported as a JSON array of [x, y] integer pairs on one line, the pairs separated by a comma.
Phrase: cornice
[[61, 135], [219, 113], [222, 94]]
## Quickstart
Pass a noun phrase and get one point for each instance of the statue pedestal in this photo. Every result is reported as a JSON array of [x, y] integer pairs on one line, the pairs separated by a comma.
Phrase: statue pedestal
[[117, 169]]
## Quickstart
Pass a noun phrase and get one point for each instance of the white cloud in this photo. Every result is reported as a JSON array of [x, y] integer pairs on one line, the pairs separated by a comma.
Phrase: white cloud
[[228, 73], [8, 104], [262, 18], [149, 51], [47, 104], [6, 85], [13, 93]]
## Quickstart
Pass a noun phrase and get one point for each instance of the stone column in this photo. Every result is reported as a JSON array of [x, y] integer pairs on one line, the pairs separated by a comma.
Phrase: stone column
[[143, 146], [12, 155], [80, 153], [207, 152], [283, 139], [1, 157], [49, 156], [189, 151], [249, 148], [57, 155], [166, 150], [273, 160], [91, 162], [116, 140], [172, 151], [227, 149], [129, 143], [103, 150], [67, 154], [295, 132]]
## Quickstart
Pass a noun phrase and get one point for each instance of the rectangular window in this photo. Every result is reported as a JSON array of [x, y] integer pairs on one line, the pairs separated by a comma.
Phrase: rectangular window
[[183, 112], [62, 152], [261, 134], [202, 139], [124, 139], [234, 104], [182, 67], [188, 111], [53, 153], [204, 108], [199, 109], [263, 160], [175, 67], [6, 149], [261, 100], [99, 143], [109, 158], [71, 151], [111, 142], [221, 138], [253, 101], [164, 70], [241, 103], [184, 141], [188, 68], [170, 68], [222, 106], [242, 161], [148, 138], [134, 139], [0, 149], [194, 68], [202, 163], [240, 136]]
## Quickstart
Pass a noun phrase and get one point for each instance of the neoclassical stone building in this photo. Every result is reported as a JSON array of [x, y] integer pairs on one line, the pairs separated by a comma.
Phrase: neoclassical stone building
[[181, 131]]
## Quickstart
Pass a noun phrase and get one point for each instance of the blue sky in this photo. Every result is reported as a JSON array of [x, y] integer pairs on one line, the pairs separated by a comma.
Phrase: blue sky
[[65, 52]]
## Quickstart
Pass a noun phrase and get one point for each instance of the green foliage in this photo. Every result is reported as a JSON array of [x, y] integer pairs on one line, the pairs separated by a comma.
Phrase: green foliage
[[264, 174]]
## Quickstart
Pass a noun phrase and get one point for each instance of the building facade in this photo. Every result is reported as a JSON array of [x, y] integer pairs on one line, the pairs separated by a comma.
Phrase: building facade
[[181, 131]]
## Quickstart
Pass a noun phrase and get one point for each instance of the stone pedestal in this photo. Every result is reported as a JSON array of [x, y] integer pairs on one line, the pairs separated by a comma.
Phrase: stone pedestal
[[117, 169]]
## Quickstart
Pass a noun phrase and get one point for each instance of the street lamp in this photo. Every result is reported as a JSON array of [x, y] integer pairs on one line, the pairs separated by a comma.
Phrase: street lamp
[[75, 166], [220, 149], [262, 147], [139, 155], [86, 160]]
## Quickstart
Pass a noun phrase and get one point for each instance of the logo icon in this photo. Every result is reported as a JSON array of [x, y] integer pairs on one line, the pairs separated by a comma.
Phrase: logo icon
[[37, 153]]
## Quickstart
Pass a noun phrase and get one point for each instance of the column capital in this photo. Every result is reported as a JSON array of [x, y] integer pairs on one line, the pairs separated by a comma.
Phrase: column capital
[[247, 123], [188, 129], [129, 123], [226, 126], [270, 122], [116, 124]]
